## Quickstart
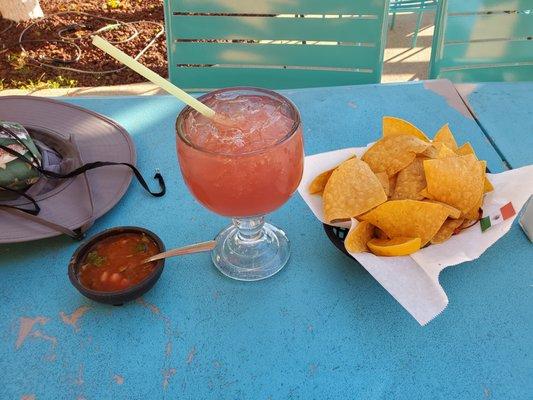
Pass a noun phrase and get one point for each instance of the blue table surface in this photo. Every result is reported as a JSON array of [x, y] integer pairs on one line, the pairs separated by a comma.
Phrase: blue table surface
[[504, 111], [322, 328]]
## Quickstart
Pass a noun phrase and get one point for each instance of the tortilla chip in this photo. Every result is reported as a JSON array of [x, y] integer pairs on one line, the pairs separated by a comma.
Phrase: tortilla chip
[[351, 190], [452, 211], [394, 153], [443, 151], [431, 152], [393, 126], [487, 186], [392, 183], [408, 218], [445, 135], [446, 230], [465, 149], [358, 237], [475, 211], [394, 247], [457, 181], [438, 150], [319, 183], [468, 149], [378, 233], [468, 223], [424, 193], [384, 180], [411, 180]]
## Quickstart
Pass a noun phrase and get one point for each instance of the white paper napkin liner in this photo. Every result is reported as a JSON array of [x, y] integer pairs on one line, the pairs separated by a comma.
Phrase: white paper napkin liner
[[413, 280]]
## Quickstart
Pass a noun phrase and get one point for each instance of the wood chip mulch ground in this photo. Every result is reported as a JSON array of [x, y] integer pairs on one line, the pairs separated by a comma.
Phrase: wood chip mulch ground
[[76, 20]]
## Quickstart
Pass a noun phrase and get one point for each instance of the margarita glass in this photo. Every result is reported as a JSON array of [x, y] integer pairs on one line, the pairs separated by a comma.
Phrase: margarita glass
[[243, 165]]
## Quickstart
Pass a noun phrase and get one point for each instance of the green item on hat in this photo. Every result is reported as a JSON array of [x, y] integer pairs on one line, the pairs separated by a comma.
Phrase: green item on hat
[[15, 173]]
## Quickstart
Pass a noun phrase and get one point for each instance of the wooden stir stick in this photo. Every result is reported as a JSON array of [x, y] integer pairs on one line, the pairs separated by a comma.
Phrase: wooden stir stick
[[190, 249]]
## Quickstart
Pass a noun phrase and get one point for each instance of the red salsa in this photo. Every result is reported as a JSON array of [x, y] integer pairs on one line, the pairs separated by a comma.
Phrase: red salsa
[[115, 263]]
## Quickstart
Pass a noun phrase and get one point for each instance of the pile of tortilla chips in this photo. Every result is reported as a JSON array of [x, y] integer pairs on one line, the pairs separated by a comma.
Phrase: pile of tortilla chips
[[406, 191]]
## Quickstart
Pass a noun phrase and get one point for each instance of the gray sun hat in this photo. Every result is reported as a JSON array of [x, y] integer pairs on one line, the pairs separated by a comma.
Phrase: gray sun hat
[[68, 137]]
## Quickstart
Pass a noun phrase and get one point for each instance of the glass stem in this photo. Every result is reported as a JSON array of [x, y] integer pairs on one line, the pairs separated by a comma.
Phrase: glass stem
[[250, 229]]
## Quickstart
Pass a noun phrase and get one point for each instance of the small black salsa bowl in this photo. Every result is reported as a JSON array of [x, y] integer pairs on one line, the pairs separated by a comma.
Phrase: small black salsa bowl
[[118, 297]]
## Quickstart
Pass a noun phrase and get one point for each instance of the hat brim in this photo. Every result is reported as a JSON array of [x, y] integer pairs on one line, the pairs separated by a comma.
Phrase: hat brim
[[96, 138]]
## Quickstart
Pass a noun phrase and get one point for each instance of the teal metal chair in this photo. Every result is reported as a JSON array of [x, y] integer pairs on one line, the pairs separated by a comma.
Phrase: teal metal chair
[[411, 6], [483, 40], [275, 43]]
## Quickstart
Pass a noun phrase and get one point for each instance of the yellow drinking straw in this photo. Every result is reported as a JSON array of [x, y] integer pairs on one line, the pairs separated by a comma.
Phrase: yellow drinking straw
[[152, 76]]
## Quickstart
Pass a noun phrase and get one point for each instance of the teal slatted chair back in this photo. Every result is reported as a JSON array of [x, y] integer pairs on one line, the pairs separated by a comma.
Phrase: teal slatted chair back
[[275, 43], [411, 6], [483, 40]]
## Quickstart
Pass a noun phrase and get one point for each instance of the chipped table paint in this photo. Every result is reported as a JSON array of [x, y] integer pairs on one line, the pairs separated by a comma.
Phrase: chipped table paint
[[322, 328], [504, 112]]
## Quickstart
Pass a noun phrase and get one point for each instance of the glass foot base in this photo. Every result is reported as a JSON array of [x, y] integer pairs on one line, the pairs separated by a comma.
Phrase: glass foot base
[[250, 250]]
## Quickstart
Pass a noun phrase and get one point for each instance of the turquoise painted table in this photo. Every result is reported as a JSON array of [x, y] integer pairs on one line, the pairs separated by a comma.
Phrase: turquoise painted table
[[323, 328], [504, 110]]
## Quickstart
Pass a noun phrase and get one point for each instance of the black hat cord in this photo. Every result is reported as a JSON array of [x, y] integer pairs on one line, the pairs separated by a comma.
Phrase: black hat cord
[[71, 174]]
